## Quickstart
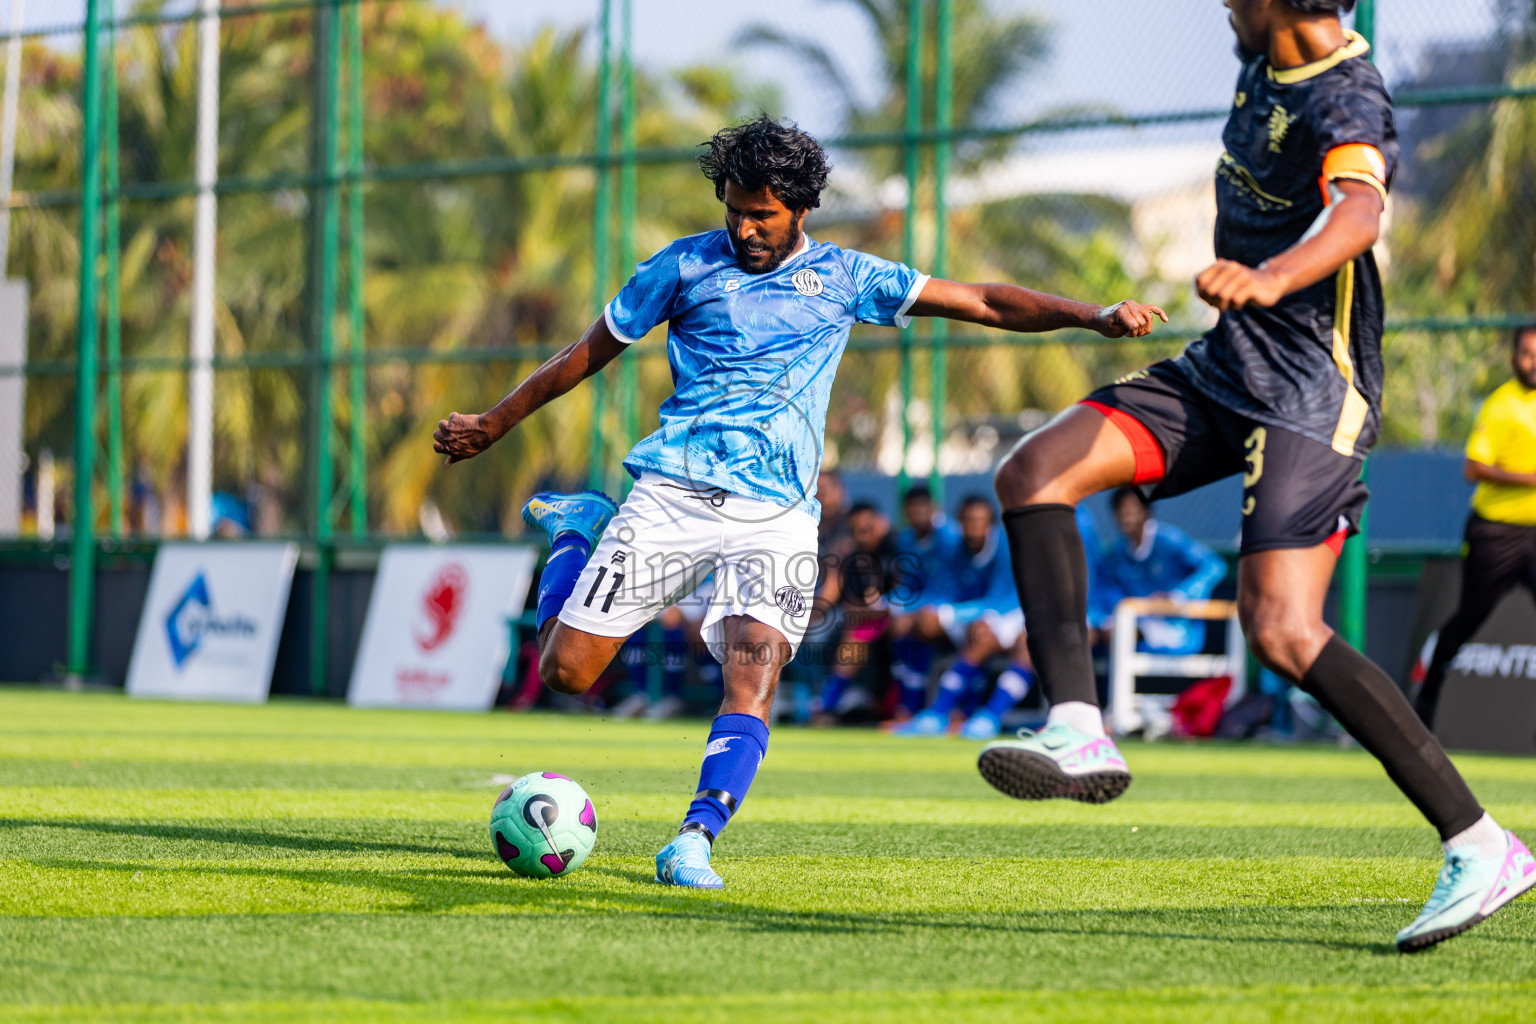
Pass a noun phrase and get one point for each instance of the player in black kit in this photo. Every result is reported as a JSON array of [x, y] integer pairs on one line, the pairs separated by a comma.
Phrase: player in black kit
[[1285, 389]]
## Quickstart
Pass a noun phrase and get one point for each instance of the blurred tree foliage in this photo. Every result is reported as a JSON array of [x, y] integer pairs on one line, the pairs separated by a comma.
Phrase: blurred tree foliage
[[452, 264]]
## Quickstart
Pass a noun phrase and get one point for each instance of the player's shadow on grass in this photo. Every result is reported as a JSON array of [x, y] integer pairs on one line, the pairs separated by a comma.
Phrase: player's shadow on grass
[[429, 890], [225, 835]]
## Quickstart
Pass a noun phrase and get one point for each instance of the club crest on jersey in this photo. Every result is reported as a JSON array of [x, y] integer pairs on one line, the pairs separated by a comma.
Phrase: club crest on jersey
[[807, 282], [1280, 121]]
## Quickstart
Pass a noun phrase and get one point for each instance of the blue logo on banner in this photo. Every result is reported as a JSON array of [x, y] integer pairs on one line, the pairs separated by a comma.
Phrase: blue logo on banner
[[192, 619]]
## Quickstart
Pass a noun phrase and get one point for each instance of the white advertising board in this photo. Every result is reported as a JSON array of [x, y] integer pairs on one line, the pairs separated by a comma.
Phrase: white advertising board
[[211, 621], [436, 634]]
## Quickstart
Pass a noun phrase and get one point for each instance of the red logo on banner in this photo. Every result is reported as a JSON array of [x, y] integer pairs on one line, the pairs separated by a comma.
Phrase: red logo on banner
[[442, 604]]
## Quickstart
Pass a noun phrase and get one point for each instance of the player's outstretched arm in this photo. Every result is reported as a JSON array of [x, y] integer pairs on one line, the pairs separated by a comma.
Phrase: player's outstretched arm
[[1348, 227], [464, 435], [1019, 309]]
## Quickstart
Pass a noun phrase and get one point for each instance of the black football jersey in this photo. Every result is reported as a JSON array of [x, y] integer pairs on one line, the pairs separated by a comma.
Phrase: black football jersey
[[1312, 362]]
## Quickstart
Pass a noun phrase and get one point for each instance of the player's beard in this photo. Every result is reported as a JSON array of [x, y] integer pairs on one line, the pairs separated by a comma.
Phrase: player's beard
[[776, 256], [1527, 380]]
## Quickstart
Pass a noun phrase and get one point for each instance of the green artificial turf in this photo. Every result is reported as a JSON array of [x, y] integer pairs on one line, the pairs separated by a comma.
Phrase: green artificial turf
[[306, 862]]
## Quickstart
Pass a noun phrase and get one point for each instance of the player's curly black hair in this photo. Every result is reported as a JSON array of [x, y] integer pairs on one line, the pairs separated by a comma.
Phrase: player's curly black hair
[[1321, 6], [768, 152]]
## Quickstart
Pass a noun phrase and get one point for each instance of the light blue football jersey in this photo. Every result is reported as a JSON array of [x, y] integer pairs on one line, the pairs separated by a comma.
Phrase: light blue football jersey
[[753, 357]]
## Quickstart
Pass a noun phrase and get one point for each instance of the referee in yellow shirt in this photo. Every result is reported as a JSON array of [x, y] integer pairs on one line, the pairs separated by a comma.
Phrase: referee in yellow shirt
[[1501, 531]]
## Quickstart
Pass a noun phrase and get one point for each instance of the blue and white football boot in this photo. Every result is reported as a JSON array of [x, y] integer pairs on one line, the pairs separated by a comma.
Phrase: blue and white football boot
[[1058, 762], [582, 512], [927, 723], [1470, 888], [685, 862], [983, 725]]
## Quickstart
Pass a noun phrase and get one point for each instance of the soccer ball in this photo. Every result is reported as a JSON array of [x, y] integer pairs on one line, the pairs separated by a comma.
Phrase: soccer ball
[[543, 825]]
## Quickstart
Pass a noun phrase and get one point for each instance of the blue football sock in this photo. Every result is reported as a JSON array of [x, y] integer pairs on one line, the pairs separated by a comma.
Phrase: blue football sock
[[832, 690], [674, 647], [1012, 686], [736, 747], [911, 671], [567, 558], [953, 685]]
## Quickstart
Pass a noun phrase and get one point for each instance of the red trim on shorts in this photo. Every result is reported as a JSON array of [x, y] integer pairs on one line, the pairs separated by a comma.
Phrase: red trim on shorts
[[1149, 454], [1336, 543]]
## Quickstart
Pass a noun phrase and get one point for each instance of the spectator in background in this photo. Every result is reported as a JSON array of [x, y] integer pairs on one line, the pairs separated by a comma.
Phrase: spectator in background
[[1152, 559], [230, 519], [857, 588], [1500, 551], [974, 603], [923, 548]]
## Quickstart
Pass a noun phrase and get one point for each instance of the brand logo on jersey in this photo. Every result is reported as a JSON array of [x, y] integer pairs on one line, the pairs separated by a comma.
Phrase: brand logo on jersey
[[617, 559], [1240, 99], [1133, 375], [1279, 123], [807, 282], [733, 284], [791, 601]]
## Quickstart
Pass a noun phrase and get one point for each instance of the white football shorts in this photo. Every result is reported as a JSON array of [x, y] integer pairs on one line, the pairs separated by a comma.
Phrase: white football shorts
[[669, 536]]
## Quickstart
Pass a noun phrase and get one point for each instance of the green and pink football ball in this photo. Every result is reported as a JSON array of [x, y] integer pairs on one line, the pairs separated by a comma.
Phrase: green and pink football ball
[[543, 825]]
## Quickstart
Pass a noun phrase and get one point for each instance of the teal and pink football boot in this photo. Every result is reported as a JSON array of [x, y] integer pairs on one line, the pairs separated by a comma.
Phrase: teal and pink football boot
[[1058, 762], [1471, 887], [585, 513]]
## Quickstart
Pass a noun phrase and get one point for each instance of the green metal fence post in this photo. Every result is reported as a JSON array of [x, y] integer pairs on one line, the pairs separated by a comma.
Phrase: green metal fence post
[[82, 560], [115, 468], [325, 479], [1354, 566], [357, 471], [943, 103], [913, 157], [629, 369], [598, 467]]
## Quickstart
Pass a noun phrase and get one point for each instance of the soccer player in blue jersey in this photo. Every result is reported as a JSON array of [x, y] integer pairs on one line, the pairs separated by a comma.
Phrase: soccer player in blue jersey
[[1285, 390], [758, 316]]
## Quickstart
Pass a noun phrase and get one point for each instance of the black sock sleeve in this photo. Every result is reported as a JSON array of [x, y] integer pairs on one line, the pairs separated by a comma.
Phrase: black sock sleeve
[[1050, 569], [1370, 706]]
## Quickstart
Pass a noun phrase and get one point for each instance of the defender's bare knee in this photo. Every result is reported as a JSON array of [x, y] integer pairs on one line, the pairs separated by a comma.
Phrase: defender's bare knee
[[1077, 454], [1284, 639]]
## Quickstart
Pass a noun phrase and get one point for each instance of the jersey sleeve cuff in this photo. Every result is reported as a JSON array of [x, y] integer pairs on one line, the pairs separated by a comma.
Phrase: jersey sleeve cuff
[[901, 319], [613, 328], [1369, 179]]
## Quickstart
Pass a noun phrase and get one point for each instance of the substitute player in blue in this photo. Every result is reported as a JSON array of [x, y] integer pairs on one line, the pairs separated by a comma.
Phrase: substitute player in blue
[[1286, 390], [971, 600], [758, 316]]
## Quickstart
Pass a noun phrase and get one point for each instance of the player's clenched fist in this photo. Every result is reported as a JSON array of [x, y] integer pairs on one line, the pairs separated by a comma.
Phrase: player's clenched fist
[[1127, 319], [1227, 285], [461, 436]]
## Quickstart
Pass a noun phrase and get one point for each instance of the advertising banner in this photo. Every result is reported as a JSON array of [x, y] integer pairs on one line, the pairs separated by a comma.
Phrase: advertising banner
[[211, 621], [436, 634], [1489, 699]]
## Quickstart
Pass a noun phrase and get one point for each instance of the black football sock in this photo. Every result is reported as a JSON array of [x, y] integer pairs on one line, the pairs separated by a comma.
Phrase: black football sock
[[1370, 706], [1050, 569]]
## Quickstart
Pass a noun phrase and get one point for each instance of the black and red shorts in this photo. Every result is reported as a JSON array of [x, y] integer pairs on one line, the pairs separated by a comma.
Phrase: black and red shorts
[[1297, 492]]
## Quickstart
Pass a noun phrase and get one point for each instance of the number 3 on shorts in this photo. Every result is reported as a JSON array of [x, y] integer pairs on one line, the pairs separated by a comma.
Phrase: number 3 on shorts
[[1255, 460]]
